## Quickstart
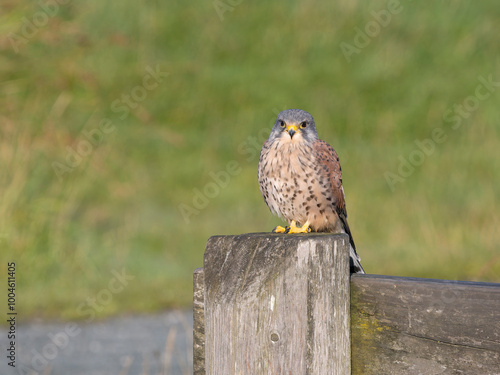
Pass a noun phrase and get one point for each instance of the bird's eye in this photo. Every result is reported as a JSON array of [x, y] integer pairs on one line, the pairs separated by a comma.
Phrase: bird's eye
[[282, 123], [303, 125]]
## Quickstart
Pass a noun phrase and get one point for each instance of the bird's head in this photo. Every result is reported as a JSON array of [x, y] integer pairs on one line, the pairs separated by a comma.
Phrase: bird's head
[[294, 125]]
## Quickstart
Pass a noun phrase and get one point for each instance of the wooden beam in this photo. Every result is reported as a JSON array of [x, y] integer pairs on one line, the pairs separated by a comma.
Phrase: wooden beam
[[277, 304], [422, 326]]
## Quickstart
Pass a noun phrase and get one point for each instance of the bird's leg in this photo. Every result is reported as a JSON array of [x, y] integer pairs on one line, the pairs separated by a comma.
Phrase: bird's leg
[[280, 229], [295, 229]]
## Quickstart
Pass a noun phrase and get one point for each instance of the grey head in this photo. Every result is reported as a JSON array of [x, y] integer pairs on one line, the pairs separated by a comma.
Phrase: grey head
[[294, 125]]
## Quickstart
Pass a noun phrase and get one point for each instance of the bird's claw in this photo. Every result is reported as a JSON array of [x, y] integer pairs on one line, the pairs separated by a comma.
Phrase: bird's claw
[[293, 228], [280, 229]]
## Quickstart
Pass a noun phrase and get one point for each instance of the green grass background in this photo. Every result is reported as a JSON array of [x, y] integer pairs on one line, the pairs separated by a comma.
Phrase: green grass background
[[226, 81]]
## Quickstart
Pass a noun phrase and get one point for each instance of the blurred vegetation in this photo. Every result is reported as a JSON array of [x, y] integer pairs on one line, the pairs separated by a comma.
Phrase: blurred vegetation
[[119, 206]]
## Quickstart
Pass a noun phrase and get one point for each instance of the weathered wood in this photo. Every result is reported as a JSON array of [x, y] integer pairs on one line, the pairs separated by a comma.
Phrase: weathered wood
[[422, 326], [198, 323], [277, 304]]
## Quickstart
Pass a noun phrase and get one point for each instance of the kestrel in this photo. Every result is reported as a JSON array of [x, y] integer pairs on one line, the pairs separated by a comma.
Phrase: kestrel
[[301, 180]]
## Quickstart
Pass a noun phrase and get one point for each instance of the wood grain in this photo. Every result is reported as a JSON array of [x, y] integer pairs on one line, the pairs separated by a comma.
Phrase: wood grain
[[277, 304], [422, 326]]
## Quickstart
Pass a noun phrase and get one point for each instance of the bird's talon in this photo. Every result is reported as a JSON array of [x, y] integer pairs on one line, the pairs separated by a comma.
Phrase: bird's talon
[[295, 229], [280, 229]]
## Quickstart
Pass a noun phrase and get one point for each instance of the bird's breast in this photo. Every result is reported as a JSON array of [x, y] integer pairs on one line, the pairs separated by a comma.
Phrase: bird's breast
[[294, 187]]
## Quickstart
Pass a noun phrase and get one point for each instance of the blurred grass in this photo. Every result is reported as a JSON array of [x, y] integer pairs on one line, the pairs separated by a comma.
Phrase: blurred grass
[[119, 207]]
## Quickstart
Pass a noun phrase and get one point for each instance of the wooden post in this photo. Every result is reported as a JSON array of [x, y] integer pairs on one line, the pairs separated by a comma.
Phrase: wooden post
[[280, 304], [275, 304]]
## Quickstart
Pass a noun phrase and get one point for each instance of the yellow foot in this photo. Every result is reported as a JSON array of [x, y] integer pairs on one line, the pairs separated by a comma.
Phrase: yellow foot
[[280, 229], [295, 229]]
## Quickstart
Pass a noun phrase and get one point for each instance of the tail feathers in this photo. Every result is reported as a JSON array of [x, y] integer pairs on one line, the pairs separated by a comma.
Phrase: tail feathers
[[355, 262]]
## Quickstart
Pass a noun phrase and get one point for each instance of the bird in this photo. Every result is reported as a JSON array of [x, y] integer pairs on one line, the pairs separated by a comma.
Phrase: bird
[[300, 179]]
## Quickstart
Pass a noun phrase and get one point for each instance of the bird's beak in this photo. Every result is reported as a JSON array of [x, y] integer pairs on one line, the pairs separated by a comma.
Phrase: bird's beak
[[291, 129]]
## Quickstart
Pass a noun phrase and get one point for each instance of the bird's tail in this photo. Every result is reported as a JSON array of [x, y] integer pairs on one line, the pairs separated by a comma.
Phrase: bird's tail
[[355, 260]]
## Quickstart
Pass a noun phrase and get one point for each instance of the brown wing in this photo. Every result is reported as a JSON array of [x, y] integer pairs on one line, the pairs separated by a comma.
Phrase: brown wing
[[329, 163], [329, 166]]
